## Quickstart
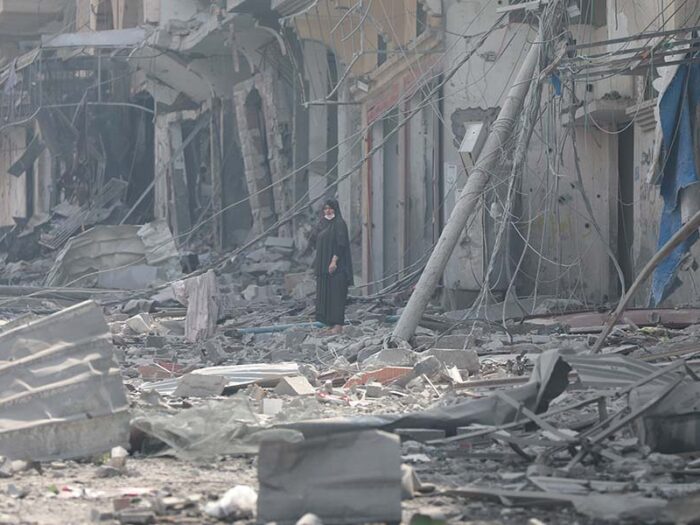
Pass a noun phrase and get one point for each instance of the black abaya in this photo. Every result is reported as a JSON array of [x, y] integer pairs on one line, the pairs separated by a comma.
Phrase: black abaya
[[332, 288]]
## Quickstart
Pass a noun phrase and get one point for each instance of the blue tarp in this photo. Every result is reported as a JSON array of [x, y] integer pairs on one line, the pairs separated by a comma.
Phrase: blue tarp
[[678, 170]]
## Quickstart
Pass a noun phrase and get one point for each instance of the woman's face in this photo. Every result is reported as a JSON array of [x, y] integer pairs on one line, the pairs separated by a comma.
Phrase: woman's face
[[328, 212]]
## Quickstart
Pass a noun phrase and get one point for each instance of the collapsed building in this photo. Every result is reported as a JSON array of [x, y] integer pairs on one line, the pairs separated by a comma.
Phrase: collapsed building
[[234, 119], [163, 163]]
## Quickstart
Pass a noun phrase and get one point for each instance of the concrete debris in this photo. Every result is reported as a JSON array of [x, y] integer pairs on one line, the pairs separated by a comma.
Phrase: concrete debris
[[175, 180], [127, 257], [238, 503], [461, 359], [140, 324], [349, 478], [295, 386], [309, 519], [272, 407], [200, 296], [200, 385], [61, 394]]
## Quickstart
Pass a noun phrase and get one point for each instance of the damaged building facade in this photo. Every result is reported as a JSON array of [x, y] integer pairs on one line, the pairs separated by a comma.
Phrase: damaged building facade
[[233, 119]]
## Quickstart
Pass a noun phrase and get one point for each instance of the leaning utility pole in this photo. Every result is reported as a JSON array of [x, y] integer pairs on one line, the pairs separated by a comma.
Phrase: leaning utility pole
[[468, 199]]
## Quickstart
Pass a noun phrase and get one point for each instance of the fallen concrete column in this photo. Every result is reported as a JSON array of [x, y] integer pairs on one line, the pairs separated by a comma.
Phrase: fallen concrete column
[[468, 199], [61, 392]]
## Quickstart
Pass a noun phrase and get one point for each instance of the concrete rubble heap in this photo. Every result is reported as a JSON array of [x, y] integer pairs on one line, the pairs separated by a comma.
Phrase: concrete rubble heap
[[521, 187]]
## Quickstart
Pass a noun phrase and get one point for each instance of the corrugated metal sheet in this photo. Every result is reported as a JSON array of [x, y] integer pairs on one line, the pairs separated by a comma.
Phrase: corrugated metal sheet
[[292, 7], [616, 371], [237, 376], [61, 392]]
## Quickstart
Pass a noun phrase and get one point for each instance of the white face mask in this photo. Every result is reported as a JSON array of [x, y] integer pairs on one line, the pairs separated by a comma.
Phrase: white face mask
[[329, 215]]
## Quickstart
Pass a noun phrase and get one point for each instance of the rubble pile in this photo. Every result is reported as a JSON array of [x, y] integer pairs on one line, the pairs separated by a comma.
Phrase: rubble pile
[[270, 419]]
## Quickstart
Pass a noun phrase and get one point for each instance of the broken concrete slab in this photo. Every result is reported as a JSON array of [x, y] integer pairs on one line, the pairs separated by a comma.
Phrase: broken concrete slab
[[237, 503], [391, 357], [140, 324], [267, 267], [462, 359], [451, 342], [258, 293], [136, 277], [353, 477], [284, 243], [199, 385], [295, 386], [271, 407], [61, 393]]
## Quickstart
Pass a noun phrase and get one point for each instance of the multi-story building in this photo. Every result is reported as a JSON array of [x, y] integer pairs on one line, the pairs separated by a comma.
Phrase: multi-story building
[[237, 117]]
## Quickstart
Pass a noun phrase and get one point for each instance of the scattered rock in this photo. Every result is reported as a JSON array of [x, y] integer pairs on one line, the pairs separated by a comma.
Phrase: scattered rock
[[238, 503]]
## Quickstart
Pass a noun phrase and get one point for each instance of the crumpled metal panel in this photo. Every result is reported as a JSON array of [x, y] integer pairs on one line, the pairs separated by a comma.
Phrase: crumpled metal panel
[[61, 392], [236, 376], [292, 7], [599, 371]]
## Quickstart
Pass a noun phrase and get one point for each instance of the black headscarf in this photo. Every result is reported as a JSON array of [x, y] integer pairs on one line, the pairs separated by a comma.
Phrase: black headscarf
[[333, 239]]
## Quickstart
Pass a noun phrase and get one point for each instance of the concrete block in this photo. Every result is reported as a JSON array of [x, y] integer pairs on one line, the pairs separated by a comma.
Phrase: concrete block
[[267, 267], [135, 277], [453, 342], [271, 407], [349, 477], [391, 357], [375, 390], [295, 386], [304, 289], [199, 385], [292, 280], [286, 243], [462, 359], [140, 324], [422, 435], [155, 341], [258, 293]]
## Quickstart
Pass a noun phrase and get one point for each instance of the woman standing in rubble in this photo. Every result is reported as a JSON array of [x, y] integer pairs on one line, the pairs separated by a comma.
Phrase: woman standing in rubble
[[333, 267]]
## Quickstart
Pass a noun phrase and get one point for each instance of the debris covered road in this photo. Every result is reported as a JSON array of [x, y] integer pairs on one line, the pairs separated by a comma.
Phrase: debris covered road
[[206, 401]]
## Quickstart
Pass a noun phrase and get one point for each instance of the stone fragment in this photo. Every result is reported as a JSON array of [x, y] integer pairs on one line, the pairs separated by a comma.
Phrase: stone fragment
[[295, 386], [310, 519], [118, 457], [462, 359], [272, 407], [140, 324], [155, 341], [106, 471], [238, 503], [375, 390], [391, 357], [200, 385]]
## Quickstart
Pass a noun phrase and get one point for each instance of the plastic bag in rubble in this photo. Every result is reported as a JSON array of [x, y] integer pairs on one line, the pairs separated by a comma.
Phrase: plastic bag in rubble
[[214, 429], [239, 502]]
